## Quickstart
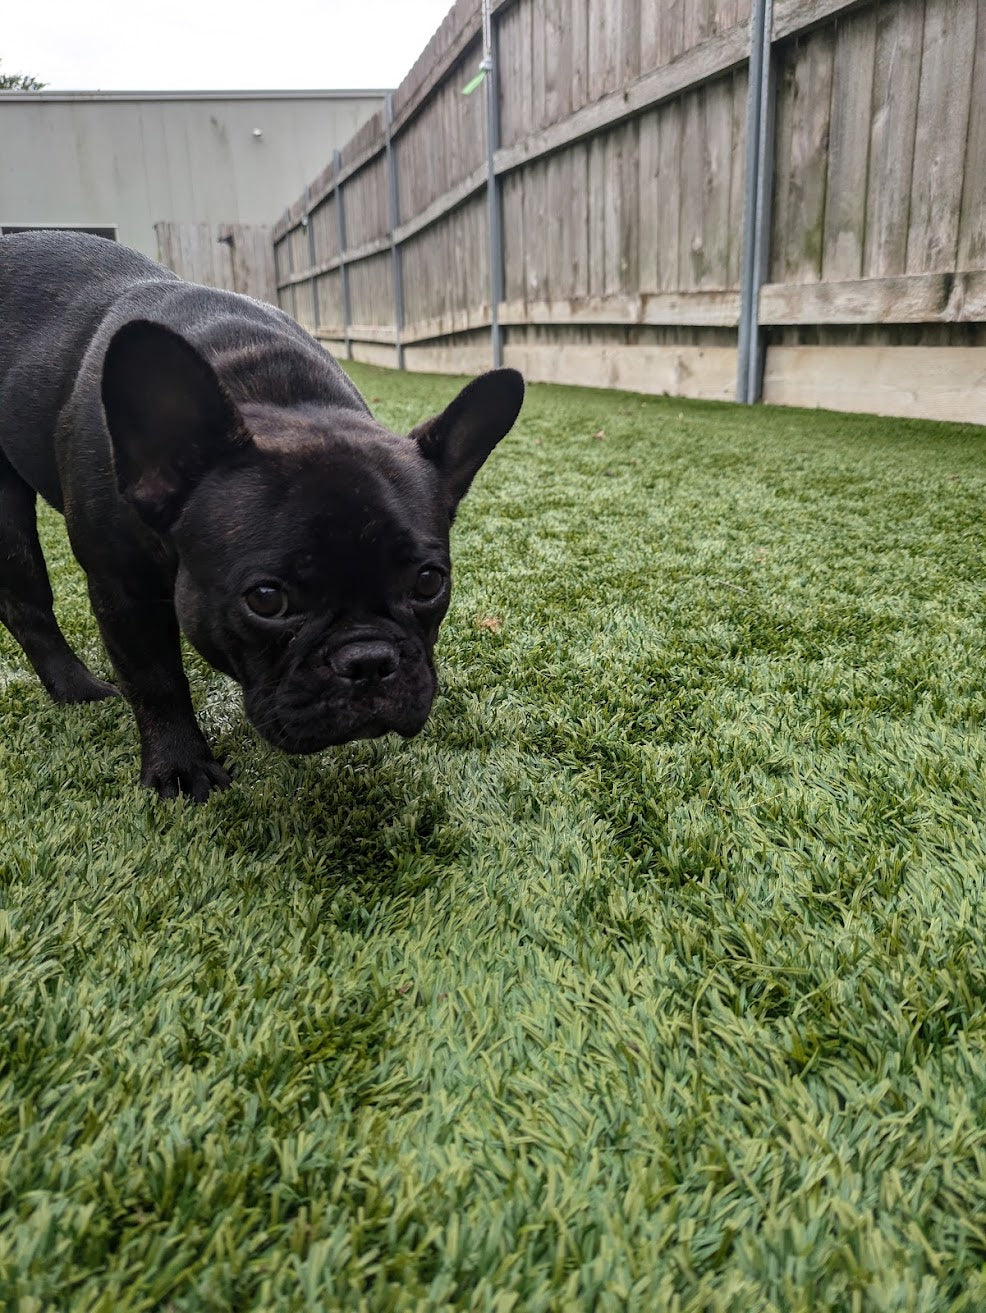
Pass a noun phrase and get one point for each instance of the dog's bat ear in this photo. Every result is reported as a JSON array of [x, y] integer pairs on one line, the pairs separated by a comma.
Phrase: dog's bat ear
[[459, 440], [169, 418]]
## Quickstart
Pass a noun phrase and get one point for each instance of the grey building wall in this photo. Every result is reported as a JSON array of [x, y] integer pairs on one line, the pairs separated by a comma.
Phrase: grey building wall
[[129, 159]]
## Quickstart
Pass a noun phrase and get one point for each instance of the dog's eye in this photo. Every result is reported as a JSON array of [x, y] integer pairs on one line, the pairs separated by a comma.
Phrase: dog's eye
[[269, 601], [429, 583]]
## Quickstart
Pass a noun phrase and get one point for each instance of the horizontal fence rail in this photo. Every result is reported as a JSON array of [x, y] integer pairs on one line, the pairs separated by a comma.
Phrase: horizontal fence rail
[[592, 191]]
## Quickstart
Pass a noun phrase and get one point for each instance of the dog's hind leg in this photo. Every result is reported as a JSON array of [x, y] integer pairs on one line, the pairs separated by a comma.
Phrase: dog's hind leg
[[26, 600]]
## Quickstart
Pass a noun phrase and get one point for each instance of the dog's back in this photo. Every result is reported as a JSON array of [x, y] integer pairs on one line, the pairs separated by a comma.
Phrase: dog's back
[[63, 295]]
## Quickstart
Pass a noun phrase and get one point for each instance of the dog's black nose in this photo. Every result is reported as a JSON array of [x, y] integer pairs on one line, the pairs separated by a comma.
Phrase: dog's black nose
[[365, 662]]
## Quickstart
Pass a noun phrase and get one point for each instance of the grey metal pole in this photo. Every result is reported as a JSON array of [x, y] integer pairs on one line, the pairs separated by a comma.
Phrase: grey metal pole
[[491, 64], [755, 202], [343, 267], [294, 286], [395, 250], [765, 190], [307, 221]]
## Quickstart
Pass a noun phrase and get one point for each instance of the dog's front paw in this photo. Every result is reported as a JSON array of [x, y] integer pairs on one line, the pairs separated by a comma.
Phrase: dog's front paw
[[193, 774], [77, 684]]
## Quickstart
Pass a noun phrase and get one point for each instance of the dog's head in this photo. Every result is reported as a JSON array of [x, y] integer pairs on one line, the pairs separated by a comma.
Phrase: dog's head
[[311, 543]]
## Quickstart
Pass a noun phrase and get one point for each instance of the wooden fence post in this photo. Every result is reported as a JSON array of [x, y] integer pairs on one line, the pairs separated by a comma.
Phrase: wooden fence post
[[294, 287]]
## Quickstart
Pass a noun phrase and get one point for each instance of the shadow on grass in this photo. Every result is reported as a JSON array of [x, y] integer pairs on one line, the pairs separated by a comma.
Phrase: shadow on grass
[[370, 818]]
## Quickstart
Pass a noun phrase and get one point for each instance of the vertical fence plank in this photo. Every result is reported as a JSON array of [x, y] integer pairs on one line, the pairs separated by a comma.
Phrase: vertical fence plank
[[672, 30], [580, 215], [629, 209], [725, 15], [521, 78], [540, 59], [534, 230], [556, 206], [597, 187], [717, 160], [669, 197], [629, 65], [804, 172], [613, 199], [566, 223], [510, 128], [691, 249], [513, 236], [894, 118], [648, 199], [972, 228], [849, 146], [580, 52], [650, 36], [697, 23], [557, 35], [738, 147], [604, 36], [942, 128]]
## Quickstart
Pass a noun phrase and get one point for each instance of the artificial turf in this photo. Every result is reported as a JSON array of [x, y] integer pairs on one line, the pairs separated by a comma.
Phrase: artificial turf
[[650, 977]]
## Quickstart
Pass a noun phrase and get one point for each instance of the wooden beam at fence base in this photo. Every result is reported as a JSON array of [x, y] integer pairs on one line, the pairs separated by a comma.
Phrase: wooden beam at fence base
[[923, 382], [336, 346], [679, 371], [467, 359], [447, 325], [707, 373], [941, 383], [372, 353], [910, 299]]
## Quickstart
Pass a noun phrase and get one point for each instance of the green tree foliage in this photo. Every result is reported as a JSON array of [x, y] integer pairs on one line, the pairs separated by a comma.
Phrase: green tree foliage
[[19, 82]]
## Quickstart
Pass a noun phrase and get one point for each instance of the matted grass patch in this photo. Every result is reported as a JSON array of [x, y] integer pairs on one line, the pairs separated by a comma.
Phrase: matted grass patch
[[651, 976]]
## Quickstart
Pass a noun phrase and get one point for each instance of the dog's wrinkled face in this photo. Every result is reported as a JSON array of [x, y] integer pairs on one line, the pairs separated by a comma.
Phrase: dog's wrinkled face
[[323, 590], [311, 545]]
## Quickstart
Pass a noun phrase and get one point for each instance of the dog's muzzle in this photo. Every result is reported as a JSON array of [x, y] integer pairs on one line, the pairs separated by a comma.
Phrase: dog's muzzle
[[362, 688]]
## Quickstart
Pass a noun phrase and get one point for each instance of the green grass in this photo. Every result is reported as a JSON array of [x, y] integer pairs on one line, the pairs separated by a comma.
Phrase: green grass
[[650, 977]]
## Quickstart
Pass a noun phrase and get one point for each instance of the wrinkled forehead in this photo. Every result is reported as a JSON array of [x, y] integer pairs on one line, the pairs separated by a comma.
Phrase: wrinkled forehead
[[351, 497], [381, 504]]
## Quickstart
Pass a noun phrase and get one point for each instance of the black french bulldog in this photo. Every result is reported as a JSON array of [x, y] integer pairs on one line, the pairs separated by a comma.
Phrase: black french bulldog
[[218, 472]]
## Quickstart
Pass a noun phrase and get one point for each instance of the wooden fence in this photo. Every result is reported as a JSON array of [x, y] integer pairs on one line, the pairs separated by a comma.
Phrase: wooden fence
[[622, 188], [236, 256]]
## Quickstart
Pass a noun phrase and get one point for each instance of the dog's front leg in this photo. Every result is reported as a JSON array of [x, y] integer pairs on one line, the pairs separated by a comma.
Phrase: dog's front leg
[[144, 644]]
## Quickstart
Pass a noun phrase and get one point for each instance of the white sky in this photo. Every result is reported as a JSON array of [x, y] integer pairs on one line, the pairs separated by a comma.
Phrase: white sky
[[182, 45]]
